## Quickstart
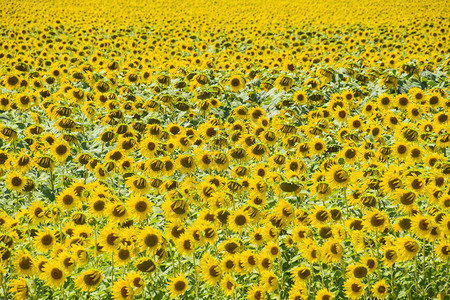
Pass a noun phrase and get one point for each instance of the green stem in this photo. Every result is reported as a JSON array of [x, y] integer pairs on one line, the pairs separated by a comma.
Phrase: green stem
[[5, 291], [112, 269], [321, 271]]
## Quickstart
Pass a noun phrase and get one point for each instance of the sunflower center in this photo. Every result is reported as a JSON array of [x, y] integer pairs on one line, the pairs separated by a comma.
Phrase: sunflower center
[[424, 225], [417, 184], [304, 273], [360, 272], [235, 82], [434, 100], [56, 274], [274, 250], [408, 198], [25, 263], [318, 146], [118, 211], [111, 239], [46, 240], [151, 240], [445, 250], [141, 206], [124, 254], [350, 153], [16, 181], [405, 223], [213, 271], [356, 288], [240, 220], [442, 118], [411, 246], [377, 220], [99, 205], [187, 245], [146, 266], [92, 279], [67, 199], [340, 176]]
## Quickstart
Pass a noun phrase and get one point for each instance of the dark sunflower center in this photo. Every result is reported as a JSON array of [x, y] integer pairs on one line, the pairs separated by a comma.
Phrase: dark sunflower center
[[356, 288], [124, 254], [56, 274], [180, 286], [16, 181], [360, 272], [340, 176], [151, 240], [213, 271], [92, 279], [46, 240], [61, 150], [25, 263], [240, 220], [235, 82]]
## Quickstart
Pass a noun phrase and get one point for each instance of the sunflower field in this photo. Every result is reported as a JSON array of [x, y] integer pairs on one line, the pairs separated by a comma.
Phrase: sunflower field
[[218, 149]]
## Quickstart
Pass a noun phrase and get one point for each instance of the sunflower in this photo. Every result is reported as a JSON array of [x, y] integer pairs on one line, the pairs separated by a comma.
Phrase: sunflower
[[354, 288], [376, 220], [136, 281], [405, 198], [68, 200], [89, 280], [210, 269], [380, 289], [15, 181], [24, 263], [442, 250], [122, 290], [145, 264], [338, 177], [54, 275], [237, 83], [19, 288], [228, 284], [319, 216], [109, 238], [44, 240], [421, 225], [317, 146], [139, 206], [415, 183], [300, 97], [284, 82], [185, 244], [269, 281], [324, 294], [238, 220], [301, 273], [358, 271], [150, 238], [332, 251], [23, 162], [12, 81], [186, 163], [407, 248], [385, 101], [138, 184], [177, 285], [117, 212], [60, 150], [5, 102]]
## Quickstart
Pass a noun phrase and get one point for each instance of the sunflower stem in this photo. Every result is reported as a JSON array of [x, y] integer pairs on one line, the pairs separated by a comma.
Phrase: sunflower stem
[[196, 276], [5, 291], [62, 292], [322, 277], [112, 270], [415, 275]]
